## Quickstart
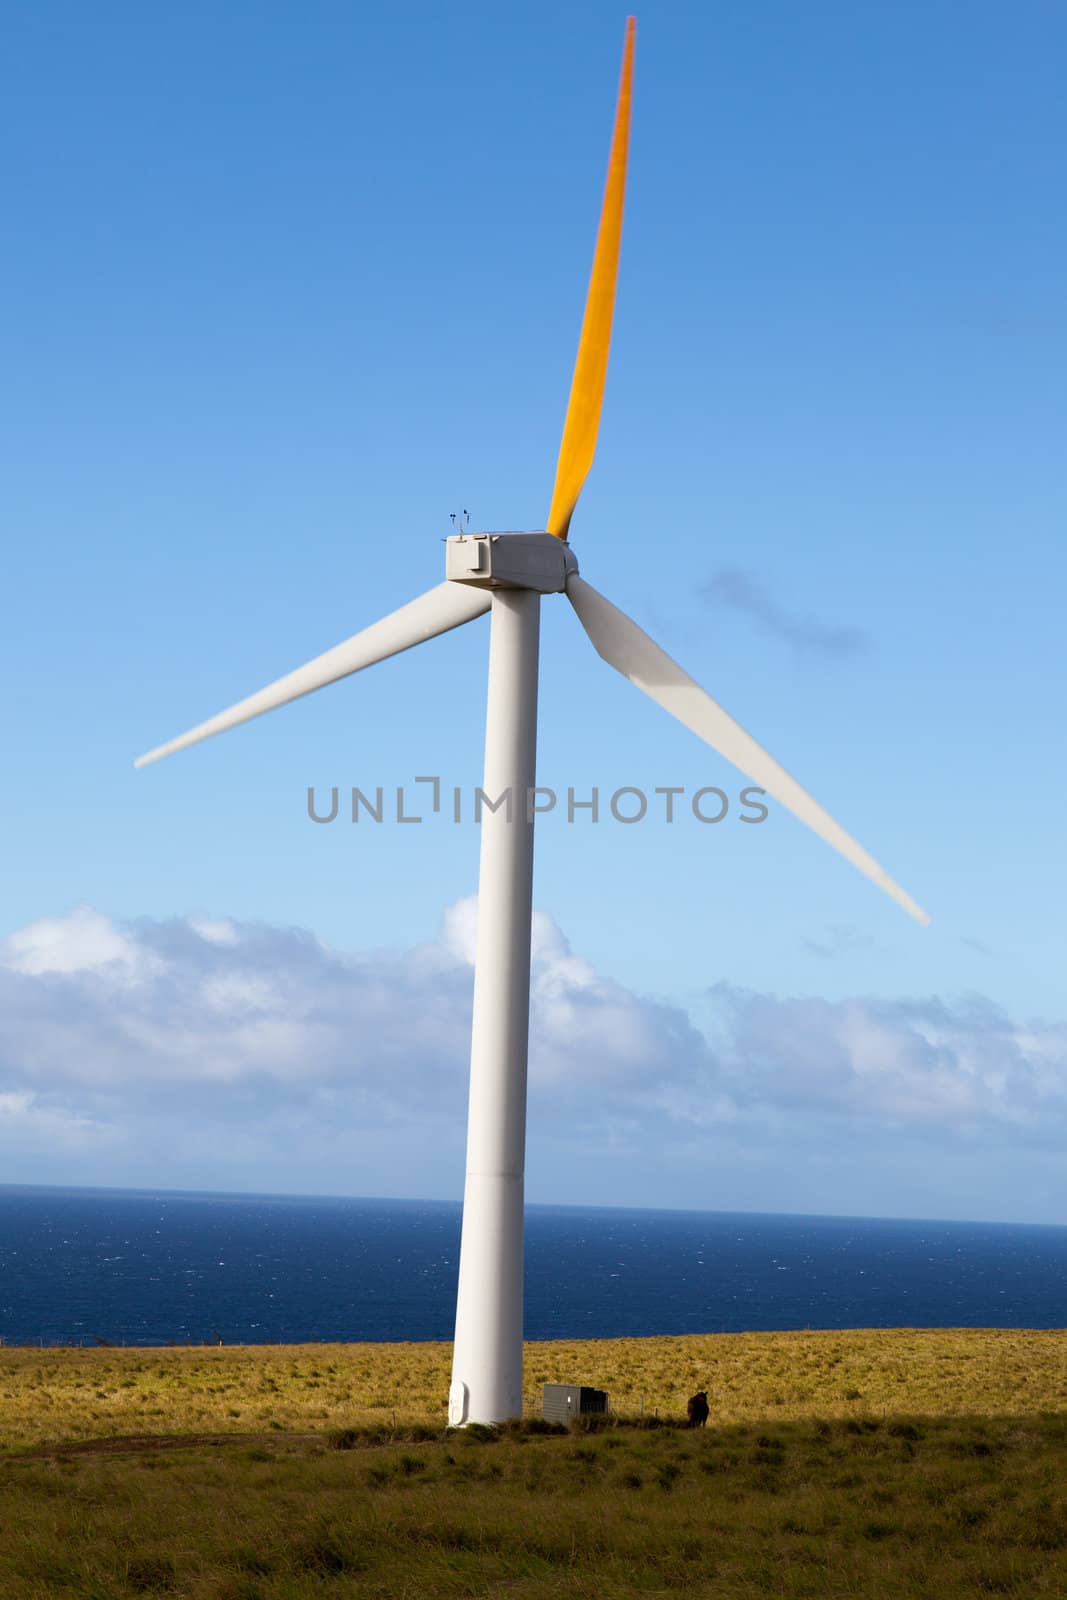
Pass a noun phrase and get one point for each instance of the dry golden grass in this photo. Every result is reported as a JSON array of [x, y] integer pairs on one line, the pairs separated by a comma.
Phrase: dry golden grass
[[67, 1394], [931, 1509]]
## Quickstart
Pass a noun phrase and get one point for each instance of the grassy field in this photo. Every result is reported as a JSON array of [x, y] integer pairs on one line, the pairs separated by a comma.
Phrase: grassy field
[[836, 1466], [82, 1394]]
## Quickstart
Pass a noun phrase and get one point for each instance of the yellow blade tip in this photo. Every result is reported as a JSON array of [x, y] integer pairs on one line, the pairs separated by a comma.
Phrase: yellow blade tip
[[590, 368]]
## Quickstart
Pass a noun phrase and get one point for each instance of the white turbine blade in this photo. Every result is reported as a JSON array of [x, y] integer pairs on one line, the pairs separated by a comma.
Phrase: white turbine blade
[[628, 649], [437, 611]]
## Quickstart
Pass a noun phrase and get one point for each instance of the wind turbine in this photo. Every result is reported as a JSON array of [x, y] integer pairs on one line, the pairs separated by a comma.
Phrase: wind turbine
[[506, 574]]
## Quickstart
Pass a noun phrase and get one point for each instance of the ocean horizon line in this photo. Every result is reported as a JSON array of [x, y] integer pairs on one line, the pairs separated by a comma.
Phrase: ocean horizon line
[[450, 1203]]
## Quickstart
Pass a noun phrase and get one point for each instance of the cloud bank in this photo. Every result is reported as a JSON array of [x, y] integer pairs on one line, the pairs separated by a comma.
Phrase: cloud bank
[[208, 1053]]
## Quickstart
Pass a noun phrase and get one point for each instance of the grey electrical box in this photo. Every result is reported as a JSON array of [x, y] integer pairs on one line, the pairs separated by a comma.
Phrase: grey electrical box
[[564, 1401]]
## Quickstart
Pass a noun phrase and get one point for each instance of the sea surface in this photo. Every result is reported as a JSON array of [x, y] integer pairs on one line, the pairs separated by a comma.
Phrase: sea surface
[[141, 1268]]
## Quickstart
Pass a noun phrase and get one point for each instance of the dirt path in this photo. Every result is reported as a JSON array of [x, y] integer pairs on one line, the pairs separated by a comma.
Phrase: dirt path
[[143, 1443]]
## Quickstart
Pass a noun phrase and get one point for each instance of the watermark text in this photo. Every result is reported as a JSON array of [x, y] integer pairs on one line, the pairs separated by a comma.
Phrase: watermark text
[[427, 798]]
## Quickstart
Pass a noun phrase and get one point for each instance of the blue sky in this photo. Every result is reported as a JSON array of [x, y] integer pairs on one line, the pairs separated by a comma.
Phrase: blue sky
[[279, 294]]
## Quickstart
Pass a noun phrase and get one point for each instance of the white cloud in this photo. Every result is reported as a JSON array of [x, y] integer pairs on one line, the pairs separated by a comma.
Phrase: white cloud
[[198, 1035], [216, 930], [585, 1029], [459, 931], [29, 1120], [82, 941], [919, 1062]]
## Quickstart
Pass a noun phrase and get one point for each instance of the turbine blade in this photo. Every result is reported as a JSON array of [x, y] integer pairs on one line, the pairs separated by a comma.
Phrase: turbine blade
[[627, 648], [590, 368], [437, 611]]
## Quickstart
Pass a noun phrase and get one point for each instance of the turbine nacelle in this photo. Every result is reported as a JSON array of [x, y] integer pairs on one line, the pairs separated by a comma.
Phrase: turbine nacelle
[[538, 561]]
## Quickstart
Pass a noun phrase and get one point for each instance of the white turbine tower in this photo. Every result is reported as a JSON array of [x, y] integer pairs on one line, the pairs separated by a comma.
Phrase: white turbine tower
[[506, 574]]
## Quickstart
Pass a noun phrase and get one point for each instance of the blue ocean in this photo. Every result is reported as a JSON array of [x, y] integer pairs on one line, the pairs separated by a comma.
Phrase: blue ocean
[[143, 1268]]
